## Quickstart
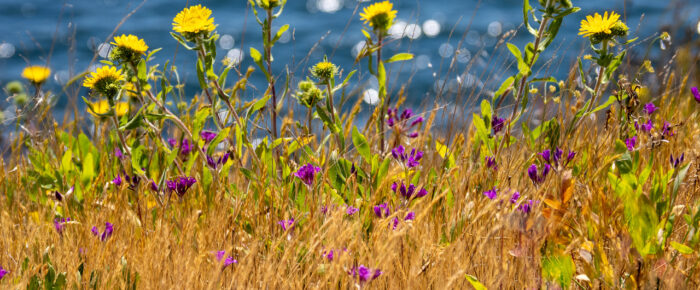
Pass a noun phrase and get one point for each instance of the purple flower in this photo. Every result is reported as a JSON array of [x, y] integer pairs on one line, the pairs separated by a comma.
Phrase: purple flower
[[328, 255], [534, 176], [394, 223], [491, 194], [154, 186], [60, 224], [410, 216], [551, 158], [228, 261], [307, 173], [133, 182], [514, 198], [526, 207], [382, 210], [497, 124], [645, 127], [650, 108], [409, 160], [667, 130], [408, 192], [402, 123], [696, 93], [286, 224], [207, 136], [491, 162], [677, 161], [186, 147], [109, 229], [570, 156], [217, 163], [351, 210], [631, 142], [117, 180], [364, 274], [180, 185], [3, 272], [118, 153]]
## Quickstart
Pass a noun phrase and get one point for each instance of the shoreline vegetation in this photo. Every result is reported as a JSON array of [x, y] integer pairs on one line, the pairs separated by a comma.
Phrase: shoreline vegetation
[[220, 193]]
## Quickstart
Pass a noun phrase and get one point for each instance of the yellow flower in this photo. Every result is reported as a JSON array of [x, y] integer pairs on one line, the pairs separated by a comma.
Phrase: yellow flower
[[102, 107], [105, 80], [36, 74], [379, 15], [131, 42], [324, 70], [105, 73], [194, 19], [598, 24]]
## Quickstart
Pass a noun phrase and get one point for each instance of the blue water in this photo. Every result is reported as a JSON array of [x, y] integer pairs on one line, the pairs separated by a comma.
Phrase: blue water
[[71, 31]]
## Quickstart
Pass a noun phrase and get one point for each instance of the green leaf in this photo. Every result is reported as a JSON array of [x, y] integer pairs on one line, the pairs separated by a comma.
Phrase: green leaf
[[200, 74], [681, 248], [88, 169], [504, 86], [522, 66], [486, 111], [361, 144], [558, 268], [443, 152], [137, 155], [181, 41], [400, 57], [142, 70], [475, 282], [280, 32], [259, 104], [219, 137]]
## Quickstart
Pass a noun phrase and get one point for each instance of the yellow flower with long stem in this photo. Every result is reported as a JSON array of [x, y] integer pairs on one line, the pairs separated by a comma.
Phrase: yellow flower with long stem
[[36, 74], [105, 80], [597, 24], [194, 19], [102, 108], [379, 15], [131, 42]]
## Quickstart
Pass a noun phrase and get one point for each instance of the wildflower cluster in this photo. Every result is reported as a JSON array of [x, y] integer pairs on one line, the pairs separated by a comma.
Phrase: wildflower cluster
[[403, 124]]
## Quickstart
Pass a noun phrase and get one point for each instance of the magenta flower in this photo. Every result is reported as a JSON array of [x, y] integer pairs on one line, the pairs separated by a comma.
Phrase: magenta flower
[[217, 163], [382, 210], [402, 123], [410, 216], [527, 206], [409, 160], [180, 185], [408, 192], [631, 142], [570, 156], [514, 198], [228, 261], [645, 127], [491, 194], [286, 224], [118, 153], [552, 158], [696, 93], [307, 173], [667, 130], [364, 274], [207, 136], [534, 176], [328, 255], [677, 161], [109, 229], [491, 162], [497, 124], [154, 186], [60, 224], [186, 147], [650, 108], [351, 210], [3, 272], [117, 180]]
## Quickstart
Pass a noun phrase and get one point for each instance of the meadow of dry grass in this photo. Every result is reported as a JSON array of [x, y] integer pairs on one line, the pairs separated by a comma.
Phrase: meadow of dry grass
[[610, 216]]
